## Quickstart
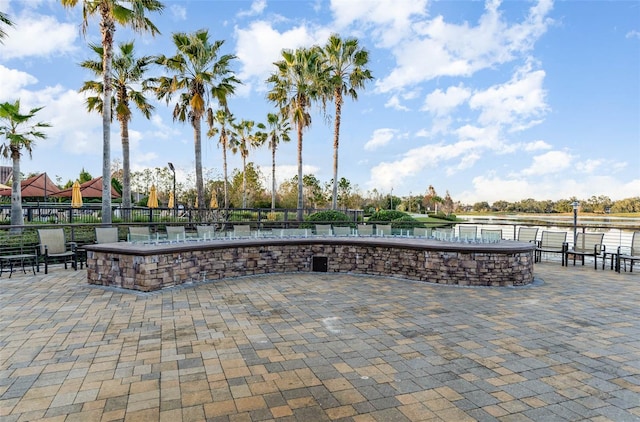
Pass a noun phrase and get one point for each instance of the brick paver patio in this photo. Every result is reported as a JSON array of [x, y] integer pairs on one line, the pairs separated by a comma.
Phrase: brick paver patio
[[319, 347]]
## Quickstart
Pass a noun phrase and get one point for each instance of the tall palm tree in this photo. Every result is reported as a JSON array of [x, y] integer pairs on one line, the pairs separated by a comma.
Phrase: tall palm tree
[[113, 12], [346, 74], [278, 131], [246, 139], [4, 20], [225, 119], [127, 73], [294, 87], [19, 133], [200, 74]]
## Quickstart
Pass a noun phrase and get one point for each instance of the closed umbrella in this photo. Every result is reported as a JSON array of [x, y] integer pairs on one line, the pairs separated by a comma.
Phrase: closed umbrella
[[76, 195], [171, 200], [214, 202], [196, 204], [153, 198]]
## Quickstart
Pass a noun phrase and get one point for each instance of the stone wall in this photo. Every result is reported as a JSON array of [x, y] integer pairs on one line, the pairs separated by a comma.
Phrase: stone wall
[[154, 271]]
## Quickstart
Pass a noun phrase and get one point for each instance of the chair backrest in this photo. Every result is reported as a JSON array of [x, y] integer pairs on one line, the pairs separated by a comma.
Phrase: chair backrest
[[53, 240], [422, 232], [588, 242], [106, 234], [139, 233], [527, 234], [469, 232], [324, 230], [206, 232], [243, 230], [365, 230], [553, 240], [294, 232], [635, 244], [176, 233], [342, 231], [383, 229], [491, 235]]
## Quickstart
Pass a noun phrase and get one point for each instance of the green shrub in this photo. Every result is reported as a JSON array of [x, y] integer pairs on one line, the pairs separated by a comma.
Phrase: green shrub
[[387, 215], [406, 222], [328, 216]]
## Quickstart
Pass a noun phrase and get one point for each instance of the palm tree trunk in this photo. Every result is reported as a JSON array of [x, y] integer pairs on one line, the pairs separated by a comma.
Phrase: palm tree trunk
[[224, 167], [107, 28], [273, 175], [197, 142], [244, 181], [300, 186], [17, 219], [336, 141], [126, 168]]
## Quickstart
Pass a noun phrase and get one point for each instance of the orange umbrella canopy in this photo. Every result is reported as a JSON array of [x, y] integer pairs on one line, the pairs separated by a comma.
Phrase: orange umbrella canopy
[[214, 202], [76, 195], [171, 200], [153, 198]]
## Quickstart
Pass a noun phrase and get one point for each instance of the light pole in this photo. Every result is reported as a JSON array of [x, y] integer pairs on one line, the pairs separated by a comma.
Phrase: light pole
[[575, 205], [175, 200]]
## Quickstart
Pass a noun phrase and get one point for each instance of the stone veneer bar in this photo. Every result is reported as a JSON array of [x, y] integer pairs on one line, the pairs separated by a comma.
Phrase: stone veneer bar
[[148, 267]]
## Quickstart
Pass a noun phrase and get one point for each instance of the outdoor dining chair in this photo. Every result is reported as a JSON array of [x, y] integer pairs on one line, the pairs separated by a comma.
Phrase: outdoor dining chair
[[176, 233], [106, 234], [53, 247], [587, 244], [632, 255]]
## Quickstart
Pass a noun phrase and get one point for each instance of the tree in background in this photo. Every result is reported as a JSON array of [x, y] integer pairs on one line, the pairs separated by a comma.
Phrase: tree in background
[[224, 119], [4, 20], [245, 140], [112, 12], [346, 73], [278, 132], [18, 131], [128, 73], [200, 74], [247, 186], [294, 85]]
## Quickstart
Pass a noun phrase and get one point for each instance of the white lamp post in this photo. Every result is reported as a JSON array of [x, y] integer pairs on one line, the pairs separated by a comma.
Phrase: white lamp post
[[575, 205], [175, 200]]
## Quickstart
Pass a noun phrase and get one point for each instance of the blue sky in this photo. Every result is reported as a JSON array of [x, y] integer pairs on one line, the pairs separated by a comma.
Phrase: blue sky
[[488, 100]]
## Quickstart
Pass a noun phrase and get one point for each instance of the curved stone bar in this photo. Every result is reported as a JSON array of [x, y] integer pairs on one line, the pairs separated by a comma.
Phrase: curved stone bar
[[148, 267]]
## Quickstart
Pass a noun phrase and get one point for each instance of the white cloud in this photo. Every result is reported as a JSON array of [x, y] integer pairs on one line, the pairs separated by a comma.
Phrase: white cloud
[[633, 34], [549, 163], [443, 102], [38, 35], [380, 138], [394, 102], [178, 12], [389, 20], [447, 49], [536, 146], [514, 102], [12, 82], [257, 7]]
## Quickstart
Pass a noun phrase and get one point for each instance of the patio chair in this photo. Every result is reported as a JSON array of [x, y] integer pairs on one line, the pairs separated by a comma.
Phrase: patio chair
[[551, 242], [365, 230], [468, 232], [139, 233], [324, 230], [106, 234], [633, 255], [527, 234], [206, 232], [383, 229], [422, 232], [176, 233], [342, 231], [53, 247], [490, 235], [242, 230], [587, 244]]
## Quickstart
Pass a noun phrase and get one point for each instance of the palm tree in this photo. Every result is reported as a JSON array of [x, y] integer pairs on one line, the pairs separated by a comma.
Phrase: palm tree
[[127, 73], [227, 137], [346, 74], [200, 74], [112, 12], [295, 86], [19, 133], [278, 131], [245, 140], [4, 19]]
